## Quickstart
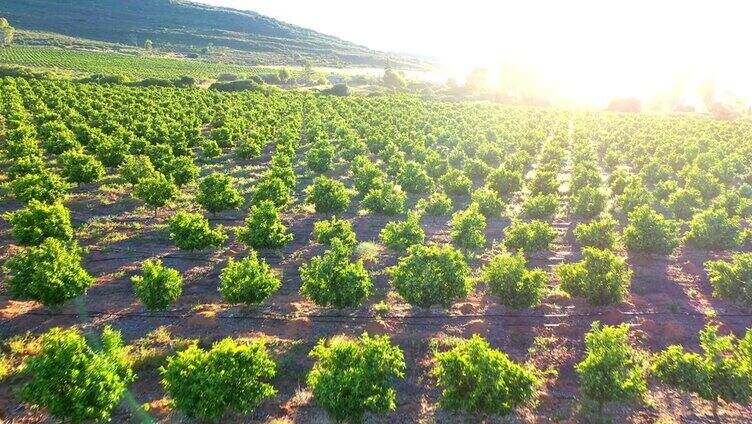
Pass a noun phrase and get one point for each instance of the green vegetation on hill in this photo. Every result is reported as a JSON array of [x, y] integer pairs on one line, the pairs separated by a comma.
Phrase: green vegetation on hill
[[192, 28], [131, 66]]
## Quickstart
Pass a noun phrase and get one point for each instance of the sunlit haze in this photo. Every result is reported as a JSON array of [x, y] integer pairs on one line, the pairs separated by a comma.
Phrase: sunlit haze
[[588, 51]]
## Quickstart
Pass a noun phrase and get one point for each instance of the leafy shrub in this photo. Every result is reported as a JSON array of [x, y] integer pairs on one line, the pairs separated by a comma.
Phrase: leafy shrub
[[224, 136], [541, 207], [38, 221], [584, 176], [134, 168], [45, 187], [157, 286], [26, 165], [50, 273], [476, 378], [399, 235], [544, 182], [75, 381], [508, 278], [183, 170], [649, 231], [325, 231], [366, 175], [600, 234], [714, 229], [504, 181], [112, 151], [351, 377], [228, 377], [530, 237], [78, 167], [488, 201], [456, 182], [635, 194], [320, 157], [731, 280], [332, 280], [601, 277], [156, 191], [414, 179], [387, 199], [210, 149], [217, 192], [57, 138], [249, 147], [469, 228], [272, 188], [612, 370], [249, 280], [684, 203], [263, 227], [437, 204], [432, 275], [191, 231], [328, 195], [589, 201], [722, 372]]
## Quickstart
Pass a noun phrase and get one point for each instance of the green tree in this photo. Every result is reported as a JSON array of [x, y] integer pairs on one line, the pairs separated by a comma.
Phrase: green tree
[[263, 227], [74, 380], [156, 191], [249, 280], [157, 286], [354, 376], [217, 193], [332, 280], [32, 225]]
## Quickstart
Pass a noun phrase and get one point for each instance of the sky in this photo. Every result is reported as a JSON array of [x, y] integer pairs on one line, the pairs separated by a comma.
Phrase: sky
[[592, 50]]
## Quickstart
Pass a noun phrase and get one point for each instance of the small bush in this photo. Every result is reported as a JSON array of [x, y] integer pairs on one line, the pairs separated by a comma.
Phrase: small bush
[[45, 187], [25, 166], [248, 281], [635, 194], [504, 181], [530, 237], [57, 138], [542, 207], [156, 191], [589, 202], [272, 188], [544, 182], [508, 278], [229, 377], [78, 167], [157, 286], [714, 229], [731, 279], [476, 378], [488, 201], [600, 234], [611, 370], [328, 195], [649, 231], [684, 203], [249, 147], [432, 275], [326, 231], [469, 228], [414, 179], [191, 231], [75, 381], [210, 149], [332, 280], [721, 372], [456, 182], [263, 227], [366, 175], [50, 273], [388, 199], [217, 193], [437, 204], [601, 277], [183, 170], [38, 221], [352, 377], [134, 168], [320, 157], [400, 235]]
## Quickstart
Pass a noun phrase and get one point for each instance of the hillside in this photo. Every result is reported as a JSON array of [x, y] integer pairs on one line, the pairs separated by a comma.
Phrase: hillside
[[190, 28]]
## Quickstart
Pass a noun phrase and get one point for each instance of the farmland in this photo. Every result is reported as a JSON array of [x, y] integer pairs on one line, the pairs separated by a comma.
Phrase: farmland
[[280, 218], [135, 67]]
